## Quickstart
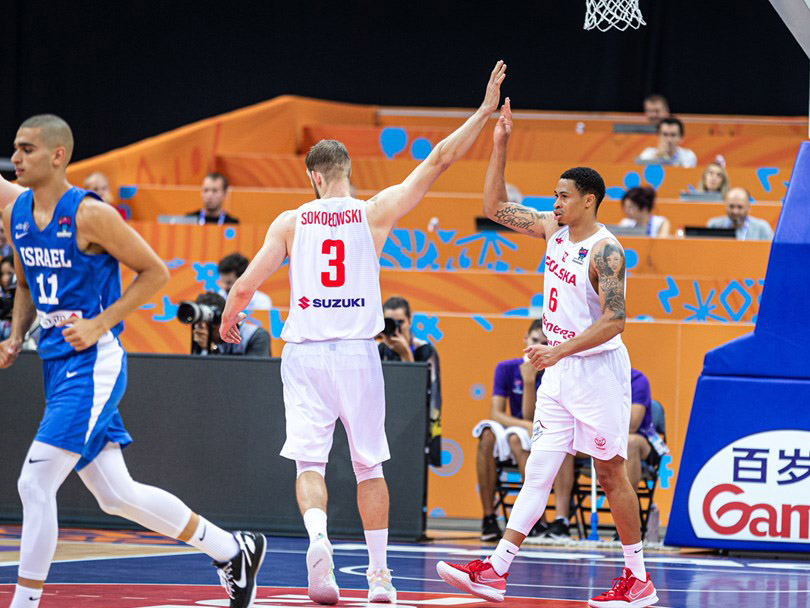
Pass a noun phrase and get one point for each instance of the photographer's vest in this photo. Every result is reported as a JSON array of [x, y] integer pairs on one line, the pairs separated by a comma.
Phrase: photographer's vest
[[334, 274]]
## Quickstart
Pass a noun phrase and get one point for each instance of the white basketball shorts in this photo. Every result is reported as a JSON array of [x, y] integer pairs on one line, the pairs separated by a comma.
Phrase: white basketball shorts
[[583, 405], [324, 381]]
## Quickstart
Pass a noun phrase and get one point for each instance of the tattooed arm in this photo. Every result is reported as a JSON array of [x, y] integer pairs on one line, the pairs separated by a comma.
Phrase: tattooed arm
[[496, 205], [607, 271]]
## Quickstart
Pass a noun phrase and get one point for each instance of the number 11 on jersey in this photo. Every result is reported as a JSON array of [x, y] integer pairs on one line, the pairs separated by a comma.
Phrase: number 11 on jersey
[[336, 251], [53, 281]]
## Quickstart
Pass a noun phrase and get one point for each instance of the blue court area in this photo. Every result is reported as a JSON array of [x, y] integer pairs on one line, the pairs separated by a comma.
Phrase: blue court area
[[540, 576]]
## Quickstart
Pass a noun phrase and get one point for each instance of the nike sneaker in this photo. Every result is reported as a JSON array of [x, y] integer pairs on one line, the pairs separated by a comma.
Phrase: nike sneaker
[[477, 577], [380, 589], [626, 591], [322, 586], [238, 575]]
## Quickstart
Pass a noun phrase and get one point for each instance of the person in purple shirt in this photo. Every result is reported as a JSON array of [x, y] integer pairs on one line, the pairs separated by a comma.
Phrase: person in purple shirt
[[505, 435], [644, 442]]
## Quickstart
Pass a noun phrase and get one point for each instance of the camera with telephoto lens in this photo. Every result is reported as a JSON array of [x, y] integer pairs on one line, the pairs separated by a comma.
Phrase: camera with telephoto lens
[[191, 312], [392, 326]]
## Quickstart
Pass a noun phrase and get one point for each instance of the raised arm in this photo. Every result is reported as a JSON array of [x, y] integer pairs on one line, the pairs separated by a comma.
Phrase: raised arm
[[100, 225], [609, 266], [269, 259], [8, 192], [497, 206], [388, 206]]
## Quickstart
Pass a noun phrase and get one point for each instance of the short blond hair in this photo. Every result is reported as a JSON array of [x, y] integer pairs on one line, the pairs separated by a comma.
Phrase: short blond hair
[[329, 157]]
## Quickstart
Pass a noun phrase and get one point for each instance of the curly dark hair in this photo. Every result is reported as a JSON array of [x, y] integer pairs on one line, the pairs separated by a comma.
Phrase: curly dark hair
[[587, 181], [642, 196]]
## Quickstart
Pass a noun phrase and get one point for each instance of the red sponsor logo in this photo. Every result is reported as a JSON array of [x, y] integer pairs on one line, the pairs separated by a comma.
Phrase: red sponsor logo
[[303, 302], [762, 519], [553, 328], [600, 442], [559, 240]]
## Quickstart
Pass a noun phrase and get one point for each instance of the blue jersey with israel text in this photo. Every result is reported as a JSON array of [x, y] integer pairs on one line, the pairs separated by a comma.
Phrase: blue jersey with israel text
[[64, 281]]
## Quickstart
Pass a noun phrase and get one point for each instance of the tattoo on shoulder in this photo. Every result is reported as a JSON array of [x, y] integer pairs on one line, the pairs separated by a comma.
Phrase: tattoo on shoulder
[[611, 268], [519, 217]]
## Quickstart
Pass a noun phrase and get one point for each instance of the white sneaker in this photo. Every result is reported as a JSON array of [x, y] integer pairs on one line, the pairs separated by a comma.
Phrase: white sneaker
[[380, 589], [323, 587]]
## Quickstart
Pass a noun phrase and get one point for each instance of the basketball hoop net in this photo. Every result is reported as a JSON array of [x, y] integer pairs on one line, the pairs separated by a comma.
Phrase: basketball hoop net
[[605, 14]]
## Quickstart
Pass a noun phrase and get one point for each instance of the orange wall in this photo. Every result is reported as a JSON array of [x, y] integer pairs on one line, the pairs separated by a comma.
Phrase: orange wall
[[458, 212], [532, 178]]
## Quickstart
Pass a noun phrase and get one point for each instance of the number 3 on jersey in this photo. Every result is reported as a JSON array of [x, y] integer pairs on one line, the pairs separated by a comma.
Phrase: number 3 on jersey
[[53, 282], [336, 251]]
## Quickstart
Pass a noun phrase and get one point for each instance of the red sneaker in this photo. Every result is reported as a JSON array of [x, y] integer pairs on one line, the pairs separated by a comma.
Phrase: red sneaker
[[626, 591], [477, 577]]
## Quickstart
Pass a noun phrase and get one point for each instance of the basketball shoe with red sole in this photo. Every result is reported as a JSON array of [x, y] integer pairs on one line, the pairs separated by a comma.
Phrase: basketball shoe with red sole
[[627, 591], [477, 577]]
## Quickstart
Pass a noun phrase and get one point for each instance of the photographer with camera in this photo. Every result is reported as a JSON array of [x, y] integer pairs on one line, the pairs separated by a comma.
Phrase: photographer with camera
[[205, 314], [398, 344]]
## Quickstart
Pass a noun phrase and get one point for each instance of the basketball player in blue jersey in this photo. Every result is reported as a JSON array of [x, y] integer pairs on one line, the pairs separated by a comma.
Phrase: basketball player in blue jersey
[[330, 366], [67, 249]]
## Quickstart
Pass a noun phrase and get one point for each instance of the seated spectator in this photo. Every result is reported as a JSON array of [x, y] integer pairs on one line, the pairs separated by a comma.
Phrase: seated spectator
[[644, 443], [205, 339], [231, 267], [669, 151], [714, 178], [8, 286], [98, 183], [506, 435], [5, 246], [738, 206], [399, 344], [656, 107], [214, 192], [638, 204]]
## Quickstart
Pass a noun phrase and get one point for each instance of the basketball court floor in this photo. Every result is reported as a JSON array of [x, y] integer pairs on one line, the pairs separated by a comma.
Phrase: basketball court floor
[[124, 569]]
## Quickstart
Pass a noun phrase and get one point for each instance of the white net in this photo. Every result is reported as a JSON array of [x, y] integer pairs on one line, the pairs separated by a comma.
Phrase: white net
[[605, 14]]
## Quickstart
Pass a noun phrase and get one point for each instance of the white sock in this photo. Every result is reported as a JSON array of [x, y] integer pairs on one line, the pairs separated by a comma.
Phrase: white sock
[[213, 540], [634, 560], [315, 522], [564, 520], [23, 597], [377, 543], [505, 552]]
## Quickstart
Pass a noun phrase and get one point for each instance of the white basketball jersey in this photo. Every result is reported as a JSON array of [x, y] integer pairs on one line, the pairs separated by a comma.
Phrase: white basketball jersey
[[334, 274], [570, 303]]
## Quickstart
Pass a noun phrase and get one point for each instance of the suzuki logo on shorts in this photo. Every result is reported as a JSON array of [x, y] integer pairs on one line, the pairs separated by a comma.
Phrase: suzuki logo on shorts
[[755, 488], [600, 442], [305, 302]]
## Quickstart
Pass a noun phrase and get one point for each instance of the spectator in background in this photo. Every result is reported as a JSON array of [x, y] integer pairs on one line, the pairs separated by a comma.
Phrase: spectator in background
[[506, 435], [214, 192], [98, 183], [5, 246], [644, 444], [205, 338], [738, 206], [656, 107], [669, 151], [231, 267], [400, 345], [8, 285], [714, 178], [638, 204]]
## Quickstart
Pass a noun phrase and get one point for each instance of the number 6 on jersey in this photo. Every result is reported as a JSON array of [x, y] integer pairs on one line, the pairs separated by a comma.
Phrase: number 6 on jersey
[[335, 262]]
